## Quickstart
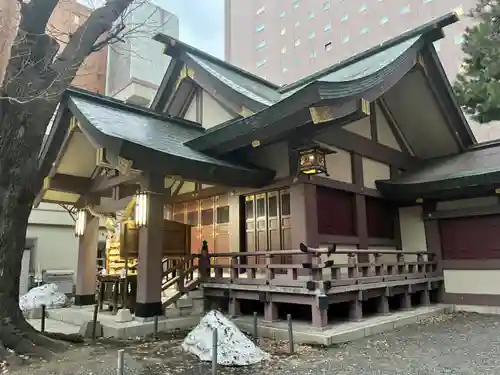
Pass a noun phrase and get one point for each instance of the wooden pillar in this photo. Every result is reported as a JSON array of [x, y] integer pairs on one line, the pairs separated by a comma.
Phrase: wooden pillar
[[356, 308], [360, 203], [234, 223], [270, 311], [149, 268], [86, 274], [304, 220]]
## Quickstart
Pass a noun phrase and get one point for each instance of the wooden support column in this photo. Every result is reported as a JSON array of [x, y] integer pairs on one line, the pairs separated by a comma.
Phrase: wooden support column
[[433, 242], [356, 308], [86, 274], [304, 221], [149, 268], [360, 206]]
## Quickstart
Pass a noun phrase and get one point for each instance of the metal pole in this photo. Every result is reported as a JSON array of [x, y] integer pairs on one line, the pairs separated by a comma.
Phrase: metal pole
[[119, 367], [94, 322], [214, 351], [155, 327], [44, 310], [290, 334], [255, 329]]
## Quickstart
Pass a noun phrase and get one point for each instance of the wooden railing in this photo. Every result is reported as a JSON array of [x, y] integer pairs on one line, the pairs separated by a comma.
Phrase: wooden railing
[[180, 277], [320, 270]]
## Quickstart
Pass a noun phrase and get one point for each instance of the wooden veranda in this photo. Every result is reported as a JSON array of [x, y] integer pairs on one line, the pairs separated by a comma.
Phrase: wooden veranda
[[317, 281]]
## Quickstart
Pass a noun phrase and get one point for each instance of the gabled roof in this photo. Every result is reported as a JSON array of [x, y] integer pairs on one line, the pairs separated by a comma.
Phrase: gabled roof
[[478, 168], [154, 142], [256, 92], [367, 75]]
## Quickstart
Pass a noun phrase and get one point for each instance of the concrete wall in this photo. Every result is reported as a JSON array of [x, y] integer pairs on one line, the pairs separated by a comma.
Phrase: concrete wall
[[55, 245]]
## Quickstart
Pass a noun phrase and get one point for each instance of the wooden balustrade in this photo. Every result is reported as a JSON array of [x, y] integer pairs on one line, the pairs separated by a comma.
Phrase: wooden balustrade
[[342, 268]]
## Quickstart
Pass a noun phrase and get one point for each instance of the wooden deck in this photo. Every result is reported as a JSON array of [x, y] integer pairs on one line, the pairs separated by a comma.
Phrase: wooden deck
[[319, 280]]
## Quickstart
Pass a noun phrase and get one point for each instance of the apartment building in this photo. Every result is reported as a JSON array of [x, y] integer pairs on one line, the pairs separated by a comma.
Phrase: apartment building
[[286, 40]]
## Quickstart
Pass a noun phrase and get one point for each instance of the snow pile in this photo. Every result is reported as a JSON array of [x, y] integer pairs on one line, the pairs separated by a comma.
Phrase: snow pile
[[47, 294], [233, 347]]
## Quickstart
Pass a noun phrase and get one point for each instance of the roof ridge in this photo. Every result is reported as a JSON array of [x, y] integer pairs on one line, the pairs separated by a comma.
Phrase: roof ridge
[[435, 24], [173, 42], [119, 104]]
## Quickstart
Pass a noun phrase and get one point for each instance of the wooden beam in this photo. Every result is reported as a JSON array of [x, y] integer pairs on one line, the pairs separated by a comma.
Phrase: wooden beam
[[360, 202], [70, 184], [110, 205], [103, 183]]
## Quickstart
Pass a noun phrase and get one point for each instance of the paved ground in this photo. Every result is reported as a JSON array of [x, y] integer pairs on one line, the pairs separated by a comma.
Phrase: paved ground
[[456, 345]]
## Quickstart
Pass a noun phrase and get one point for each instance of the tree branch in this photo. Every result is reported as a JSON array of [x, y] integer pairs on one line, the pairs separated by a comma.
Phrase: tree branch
[[35, 15]]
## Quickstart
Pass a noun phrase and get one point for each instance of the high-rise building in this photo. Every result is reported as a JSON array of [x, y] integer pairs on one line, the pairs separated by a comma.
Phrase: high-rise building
[[136, 64], [66, 18], [288, 39]]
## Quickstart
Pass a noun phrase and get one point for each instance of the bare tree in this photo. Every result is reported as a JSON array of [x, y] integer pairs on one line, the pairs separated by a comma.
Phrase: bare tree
[[36, 76]]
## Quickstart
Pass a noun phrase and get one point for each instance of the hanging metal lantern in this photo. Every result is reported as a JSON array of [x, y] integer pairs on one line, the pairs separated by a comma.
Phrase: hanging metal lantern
[[312, 160]]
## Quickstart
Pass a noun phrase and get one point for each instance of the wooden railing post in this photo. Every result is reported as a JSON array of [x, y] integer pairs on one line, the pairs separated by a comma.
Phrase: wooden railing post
[[204, 262]]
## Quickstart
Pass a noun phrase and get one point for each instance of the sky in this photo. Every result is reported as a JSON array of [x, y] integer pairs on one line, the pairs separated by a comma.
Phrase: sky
[[201, 23]]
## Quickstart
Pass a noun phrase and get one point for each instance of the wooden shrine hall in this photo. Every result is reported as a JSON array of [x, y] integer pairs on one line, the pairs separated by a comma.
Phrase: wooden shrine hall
[[365, 156]]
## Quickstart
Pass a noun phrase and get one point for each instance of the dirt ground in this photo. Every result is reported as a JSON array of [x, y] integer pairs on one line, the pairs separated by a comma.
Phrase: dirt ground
[[451, 344]]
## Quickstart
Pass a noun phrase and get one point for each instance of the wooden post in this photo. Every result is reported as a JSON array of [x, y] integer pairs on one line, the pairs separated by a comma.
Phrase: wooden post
[[44, 310], [155, 327], [290, 334], [94, 322], [204, 263], [255, 327], [214, 351]]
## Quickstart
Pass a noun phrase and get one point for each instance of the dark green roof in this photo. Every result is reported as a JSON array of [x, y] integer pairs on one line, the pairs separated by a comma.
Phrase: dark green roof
[[478, 166], [155, 142]]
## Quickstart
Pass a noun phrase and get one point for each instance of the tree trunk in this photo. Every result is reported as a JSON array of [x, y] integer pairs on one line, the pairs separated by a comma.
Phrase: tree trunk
[[18, 166]]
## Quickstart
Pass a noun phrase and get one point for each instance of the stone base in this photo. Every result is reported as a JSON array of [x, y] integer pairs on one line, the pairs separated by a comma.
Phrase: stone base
[[124, 315], [87, 328], [342, 332]]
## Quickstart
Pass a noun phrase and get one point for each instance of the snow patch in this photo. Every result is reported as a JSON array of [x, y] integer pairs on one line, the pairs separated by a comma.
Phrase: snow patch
[[47, 294], [233, 347]]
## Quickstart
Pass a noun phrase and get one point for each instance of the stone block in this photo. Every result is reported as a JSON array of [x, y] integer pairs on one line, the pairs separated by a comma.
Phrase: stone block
[[186, 311], [196, 294], [123, 315], [172, 312], [86, 329], [184, 302], [198, 306]]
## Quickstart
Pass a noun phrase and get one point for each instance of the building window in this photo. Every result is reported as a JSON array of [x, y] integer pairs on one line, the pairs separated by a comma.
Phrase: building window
[[459, 39], [310, 15], [459, 11], [326, 4], [384, 20], [297, 62], [297, 42], [344, 18], [284, 69], [363, 8], [327, 27], [295, 4], [222, 215], [297, 24], [312, 35], [328, 46], [261, 10], [437, 45], [283, 50], [283, 31], [363, 30], [261, 63], [259, 28], [207, 217], [405, 9], [76, 19], [345, 39], [313, 55], [261, 44], [282, 14], [427, 1]]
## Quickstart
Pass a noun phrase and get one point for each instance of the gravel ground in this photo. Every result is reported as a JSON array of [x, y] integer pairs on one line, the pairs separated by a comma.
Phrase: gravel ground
[[451, 344]]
